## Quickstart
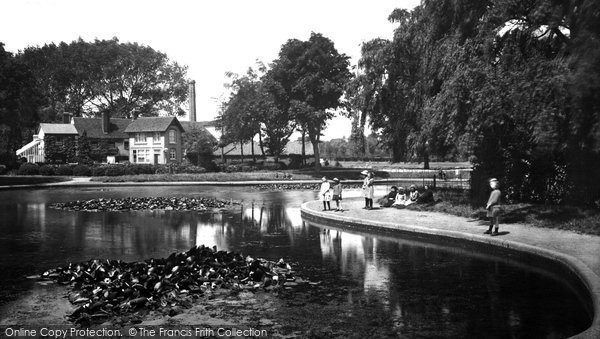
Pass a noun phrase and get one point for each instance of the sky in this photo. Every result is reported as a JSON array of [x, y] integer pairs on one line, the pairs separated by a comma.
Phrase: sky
[[209, 37]]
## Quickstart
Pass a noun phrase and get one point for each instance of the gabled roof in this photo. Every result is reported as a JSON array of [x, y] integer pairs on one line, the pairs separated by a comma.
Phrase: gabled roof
[[153, 124], [58, 128], [92, 128], [197, 124]]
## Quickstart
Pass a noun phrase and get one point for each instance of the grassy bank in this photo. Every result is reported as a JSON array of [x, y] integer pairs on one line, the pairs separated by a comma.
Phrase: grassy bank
[[212, 176], [30, 179], [572, 218]]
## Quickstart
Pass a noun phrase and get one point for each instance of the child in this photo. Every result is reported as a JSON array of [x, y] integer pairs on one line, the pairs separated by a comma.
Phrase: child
[[390, 198], [413, 195], [493, 207], [400, 198], [337, 194], [325, 194], [368, 189]]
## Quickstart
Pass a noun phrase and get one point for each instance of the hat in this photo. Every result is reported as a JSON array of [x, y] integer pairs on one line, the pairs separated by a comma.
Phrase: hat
[[413, 186], [365, 172], [493, 179], [400, 188], [324, 179], [336, 179]]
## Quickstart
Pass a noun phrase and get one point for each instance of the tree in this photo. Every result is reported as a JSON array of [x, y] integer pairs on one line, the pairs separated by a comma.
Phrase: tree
[[312, 76], [199, 145], [19, 104], [124, 79]]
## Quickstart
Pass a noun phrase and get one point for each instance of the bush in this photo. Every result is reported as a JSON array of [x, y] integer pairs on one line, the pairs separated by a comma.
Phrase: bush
[[115, 170], [162, 169], [64, 170], [3, 169], [99, 171], [47, 170], [82, 171], [29, 169], [9, 160]]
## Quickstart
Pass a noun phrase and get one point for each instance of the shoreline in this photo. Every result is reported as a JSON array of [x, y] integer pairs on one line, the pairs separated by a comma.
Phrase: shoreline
[[554, 245]]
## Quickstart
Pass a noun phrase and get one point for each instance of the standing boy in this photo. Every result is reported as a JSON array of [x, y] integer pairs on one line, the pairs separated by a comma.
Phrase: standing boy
[[337, 194], [493, 207]]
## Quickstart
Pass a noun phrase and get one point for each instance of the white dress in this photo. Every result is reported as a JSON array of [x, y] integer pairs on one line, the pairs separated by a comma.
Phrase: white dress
[[325, 192], [368, 189]]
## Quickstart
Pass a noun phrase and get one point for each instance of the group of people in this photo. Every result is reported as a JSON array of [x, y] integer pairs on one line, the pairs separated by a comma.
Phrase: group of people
[[399, 197]]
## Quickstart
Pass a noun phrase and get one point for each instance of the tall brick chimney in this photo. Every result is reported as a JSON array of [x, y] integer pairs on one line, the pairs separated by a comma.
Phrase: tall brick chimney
[[192, 98], [105, 122]]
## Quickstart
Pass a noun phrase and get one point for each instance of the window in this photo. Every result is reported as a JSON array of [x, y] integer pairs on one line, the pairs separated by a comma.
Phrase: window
[[172, 136], [126, 144], [141, 156], [173, 154], [156, 137], [140, 137]]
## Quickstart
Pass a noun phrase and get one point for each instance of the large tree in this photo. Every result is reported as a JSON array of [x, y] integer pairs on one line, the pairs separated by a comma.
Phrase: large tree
[[312, 75], [19, 103], [124, 79]]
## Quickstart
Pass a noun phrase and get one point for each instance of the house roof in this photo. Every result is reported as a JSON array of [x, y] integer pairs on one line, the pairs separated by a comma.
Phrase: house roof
[[197, 124], [92, 127], [58, 128], [153, 124], [292, 147]]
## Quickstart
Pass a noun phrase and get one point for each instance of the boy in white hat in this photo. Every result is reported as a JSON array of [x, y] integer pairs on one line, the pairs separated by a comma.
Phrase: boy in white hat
[[325, 194], [493, 207]]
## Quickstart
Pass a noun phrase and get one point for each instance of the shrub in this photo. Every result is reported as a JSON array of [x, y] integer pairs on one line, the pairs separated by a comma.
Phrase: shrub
[[3, 169], [29, 169], [115, 170], [162, 169], [64, 170], [47, 170], [82, 170], [99, 171], [189, 169]]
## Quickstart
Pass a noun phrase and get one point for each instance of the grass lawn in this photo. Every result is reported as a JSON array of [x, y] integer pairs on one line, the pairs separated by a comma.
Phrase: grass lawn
[[213, 176], [29, 179], [573, 218]]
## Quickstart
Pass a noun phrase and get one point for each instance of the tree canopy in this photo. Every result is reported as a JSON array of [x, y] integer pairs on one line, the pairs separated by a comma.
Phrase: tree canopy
[[89, 78], [506, 84]]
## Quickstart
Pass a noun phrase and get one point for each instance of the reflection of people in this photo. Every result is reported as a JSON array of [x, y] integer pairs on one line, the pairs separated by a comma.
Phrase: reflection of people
[[368, 189], [493, 207], [325, 194], [337, 194], [390, 198]]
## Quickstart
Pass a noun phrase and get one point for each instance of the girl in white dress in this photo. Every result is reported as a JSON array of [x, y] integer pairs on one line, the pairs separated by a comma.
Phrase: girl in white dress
[[325, 194]]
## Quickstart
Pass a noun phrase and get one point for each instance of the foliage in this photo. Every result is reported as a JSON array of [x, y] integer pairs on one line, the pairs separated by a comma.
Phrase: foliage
[[82, 171], [59, 148], [123, 79], [308, 80], [19, 103], [3, 169], [47, 170], [64, 170], [511, 86], [114, 170], [199, 145], [29, 169]]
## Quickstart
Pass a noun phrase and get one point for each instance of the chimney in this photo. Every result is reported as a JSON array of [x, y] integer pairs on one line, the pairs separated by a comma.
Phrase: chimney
[[192, 97], [66, 118], [105, 122]]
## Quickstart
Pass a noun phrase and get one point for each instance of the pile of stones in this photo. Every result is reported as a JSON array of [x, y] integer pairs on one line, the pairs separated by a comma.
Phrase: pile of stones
[[145, 203], [105, 288]]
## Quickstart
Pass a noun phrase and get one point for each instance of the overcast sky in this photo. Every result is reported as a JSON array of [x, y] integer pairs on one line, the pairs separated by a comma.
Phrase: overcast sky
[[210, 37]]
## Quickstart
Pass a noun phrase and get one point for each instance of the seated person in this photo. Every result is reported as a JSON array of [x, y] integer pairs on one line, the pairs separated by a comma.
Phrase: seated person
[[413, 196], [390, 198], [401, 198], [426, 197]]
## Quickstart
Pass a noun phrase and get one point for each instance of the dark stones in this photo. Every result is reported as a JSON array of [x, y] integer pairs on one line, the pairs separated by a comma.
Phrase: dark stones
[[103, 288], [145, 203]]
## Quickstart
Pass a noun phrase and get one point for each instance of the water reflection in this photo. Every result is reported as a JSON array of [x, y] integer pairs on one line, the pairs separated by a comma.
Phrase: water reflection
[[418, 287]]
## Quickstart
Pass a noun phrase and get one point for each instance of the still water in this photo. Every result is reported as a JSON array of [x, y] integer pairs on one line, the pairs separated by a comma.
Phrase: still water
[[424, 289]]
